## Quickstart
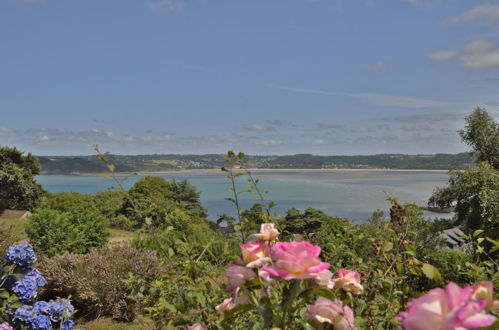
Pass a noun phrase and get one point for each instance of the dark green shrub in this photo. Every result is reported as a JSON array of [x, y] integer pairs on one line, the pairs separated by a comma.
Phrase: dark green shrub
[[53, 232]]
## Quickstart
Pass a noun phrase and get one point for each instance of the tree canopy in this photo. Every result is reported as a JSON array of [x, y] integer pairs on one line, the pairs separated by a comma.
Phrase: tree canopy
[[17, 179]]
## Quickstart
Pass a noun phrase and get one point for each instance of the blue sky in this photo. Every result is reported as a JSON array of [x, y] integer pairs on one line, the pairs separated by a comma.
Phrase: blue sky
[[259, 76]]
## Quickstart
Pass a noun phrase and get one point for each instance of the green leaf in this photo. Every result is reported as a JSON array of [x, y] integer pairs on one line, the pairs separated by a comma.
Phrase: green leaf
[[103, 175], [477, 232], [432, 272], [387, 246]]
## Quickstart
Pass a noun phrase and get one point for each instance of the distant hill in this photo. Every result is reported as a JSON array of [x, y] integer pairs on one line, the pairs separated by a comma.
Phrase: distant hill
[[152, 163]]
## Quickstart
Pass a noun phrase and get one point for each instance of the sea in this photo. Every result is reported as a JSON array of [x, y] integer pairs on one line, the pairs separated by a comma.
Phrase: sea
[[352, 194]]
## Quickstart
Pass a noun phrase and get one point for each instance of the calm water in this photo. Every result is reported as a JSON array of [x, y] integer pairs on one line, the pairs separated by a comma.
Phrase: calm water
[[353, 195]]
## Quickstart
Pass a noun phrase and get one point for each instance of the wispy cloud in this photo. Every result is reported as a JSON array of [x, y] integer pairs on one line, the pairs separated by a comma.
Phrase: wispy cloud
[[480, 54], [269, 143], [166, 5], [424, 3], [5, 131], [377, 67], [477, 54], [258, 128], [279, 122], [375, 98], [488, 12], [443, 55], [329, 126], [319, 142]]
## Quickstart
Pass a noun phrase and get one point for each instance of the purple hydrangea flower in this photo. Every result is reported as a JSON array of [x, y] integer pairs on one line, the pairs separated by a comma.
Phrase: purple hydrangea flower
[[42, 307], [21, 254], [35, 275], [67, 325], [24, 314], [59, 310], [25, 289], [5, 326], [41, 322]]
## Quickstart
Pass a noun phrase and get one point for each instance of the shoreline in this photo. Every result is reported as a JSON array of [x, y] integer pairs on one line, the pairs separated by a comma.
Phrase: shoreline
[[213, 171]]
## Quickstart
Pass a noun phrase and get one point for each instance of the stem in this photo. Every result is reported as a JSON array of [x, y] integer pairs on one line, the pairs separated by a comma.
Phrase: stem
[[238, 209], [253, 182]]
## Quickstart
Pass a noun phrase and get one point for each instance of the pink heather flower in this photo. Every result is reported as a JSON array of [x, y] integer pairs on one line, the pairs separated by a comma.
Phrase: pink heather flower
[[444, 309], [298, 260], [238, 275], [196, 326], [333, 312], [323, 279], [485, 290], [226, 305], [267, 233], [349, 280], [254, 254]]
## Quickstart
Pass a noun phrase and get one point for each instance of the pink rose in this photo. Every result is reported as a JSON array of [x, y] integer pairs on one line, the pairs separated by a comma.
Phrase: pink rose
[[254, 254], [238, 275], [239, 297], [298, 260], [485, 290], [449, 308], [226, 305], [349, 280], [324, 279], [196, 326], [267, 233], [333, 312]]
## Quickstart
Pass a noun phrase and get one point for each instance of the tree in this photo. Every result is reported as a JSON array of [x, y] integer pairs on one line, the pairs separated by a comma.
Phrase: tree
[[475, 192], [19, 189], [482, 133]]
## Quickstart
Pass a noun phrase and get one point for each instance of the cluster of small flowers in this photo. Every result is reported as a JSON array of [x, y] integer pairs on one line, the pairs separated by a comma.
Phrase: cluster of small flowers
[[27, 288], [5, 326], [42, 315], [452, 307], [270, 260], [22, 255]]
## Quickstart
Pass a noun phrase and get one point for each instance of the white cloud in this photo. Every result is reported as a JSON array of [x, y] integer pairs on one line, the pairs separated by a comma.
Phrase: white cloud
[[269, 143], [329, 126], [477, 46], [489, 12], [258, 128], [480, 55], [477, 54], [319, 142], [168, 5], [375, 98], [5, 131], [443, 55]]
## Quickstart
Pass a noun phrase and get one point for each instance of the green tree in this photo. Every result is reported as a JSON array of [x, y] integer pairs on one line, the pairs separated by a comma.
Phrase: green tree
[[475, 192], [17, 179], [482, 133]]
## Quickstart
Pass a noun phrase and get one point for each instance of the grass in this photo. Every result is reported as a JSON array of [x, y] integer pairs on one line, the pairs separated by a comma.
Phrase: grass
[[17, 227], [18, 230], [118, 235], [107, 324]]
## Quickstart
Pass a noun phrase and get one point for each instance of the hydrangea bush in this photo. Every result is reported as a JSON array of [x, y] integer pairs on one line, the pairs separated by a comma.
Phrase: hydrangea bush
[[19, 284]]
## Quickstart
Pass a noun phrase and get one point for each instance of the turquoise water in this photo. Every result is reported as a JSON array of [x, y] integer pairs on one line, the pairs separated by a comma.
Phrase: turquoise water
[[354, 195]]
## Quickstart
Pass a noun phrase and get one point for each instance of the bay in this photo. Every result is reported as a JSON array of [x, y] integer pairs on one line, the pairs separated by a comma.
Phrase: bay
[[352, 194]]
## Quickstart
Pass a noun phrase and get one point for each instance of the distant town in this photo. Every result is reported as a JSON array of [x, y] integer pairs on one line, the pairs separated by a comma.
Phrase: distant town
[[158, 163]]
